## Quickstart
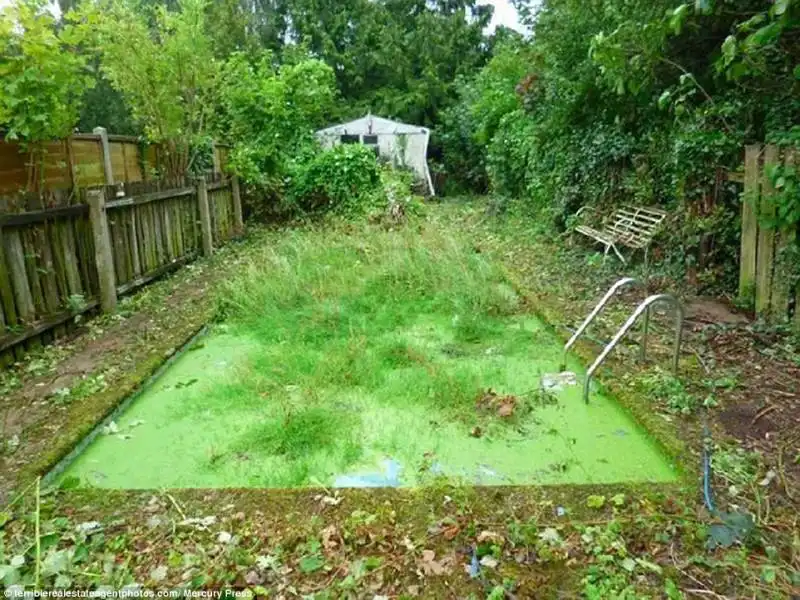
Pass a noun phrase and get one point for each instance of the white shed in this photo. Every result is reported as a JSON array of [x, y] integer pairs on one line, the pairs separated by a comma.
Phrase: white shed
[[402, 144]]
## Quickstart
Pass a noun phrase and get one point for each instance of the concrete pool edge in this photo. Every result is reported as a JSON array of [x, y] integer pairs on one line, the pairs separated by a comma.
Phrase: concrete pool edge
[[121, 406]]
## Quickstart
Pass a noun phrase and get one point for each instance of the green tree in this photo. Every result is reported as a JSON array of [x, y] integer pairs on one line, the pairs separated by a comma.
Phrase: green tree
[[163, 65], [270, 114], [42, 79]]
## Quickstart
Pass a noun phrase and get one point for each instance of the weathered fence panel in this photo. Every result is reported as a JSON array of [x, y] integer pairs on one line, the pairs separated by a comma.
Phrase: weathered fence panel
[[775, 295], [59, 262], [79, 161], [223, 225]]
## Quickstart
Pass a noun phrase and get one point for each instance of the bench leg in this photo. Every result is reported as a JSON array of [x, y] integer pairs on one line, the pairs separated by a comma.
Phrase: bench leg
[[622, 258]]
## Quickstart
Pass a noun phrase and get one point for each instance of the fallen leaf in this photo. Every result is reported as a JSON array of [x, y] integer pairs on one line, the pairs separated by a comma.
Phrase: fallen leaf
[[159, 574], [489, 562], [629, 564], [89, 527], [334, 500], [429, 565], [490, 536], [450, 532], [506, 408], [253, 578], [327, 538], [595, 501], [551, 536]]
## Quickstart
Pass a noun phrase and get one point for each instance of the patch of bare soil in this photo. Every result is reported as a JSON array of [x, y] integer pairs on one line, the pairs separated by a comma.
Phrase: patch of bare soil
[[763, 409], [713, 311]]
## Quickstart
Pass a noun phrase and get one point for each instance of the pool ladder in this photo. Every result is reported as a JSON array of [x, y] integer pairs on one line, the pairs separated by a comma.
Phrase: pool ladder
[[643, 308]]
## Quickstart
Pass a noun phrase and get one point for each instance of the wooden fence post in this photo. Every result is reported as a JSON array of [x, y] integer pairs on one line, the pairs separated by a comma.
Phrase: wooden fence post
[[104, 259], [237, 206], [205, 217], [750, 203], [106, 148], [765, 260]]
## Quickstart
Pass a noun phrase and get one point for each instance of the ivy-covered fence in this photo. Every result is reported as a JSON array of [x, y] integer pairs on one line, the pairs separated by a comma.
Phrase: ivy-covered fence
[[769, 273]]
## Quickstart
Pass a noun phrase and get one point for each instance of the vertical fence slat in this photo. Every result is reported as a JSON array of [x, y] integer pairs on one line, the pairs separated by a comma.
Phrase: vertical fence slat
[[15, 255], [54, 233], [237, 205], [69, 255], [30, 254], [117, 249], [47, 272], [765, 258], [6, 288], [750, 202], [178, 225], [133, 237], [205, 217]]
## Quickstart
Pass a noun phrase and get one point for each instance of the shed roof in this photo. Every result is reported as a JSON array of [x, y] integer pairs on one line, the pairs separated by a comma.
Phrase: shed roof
[[372, 125]]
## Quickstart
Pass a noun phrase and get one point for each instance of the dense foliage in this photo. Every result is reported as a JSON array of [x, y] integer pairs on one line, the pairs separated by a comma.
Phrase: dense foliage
[[41, 80], [271, 113], [647, 103], [259, 74], [343, 179], [162, 64]]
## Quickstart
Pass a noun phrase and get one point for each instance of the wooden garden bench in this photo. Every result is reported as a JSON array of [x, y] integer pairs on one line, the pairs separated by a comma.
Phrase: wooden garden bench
[[634, 227]]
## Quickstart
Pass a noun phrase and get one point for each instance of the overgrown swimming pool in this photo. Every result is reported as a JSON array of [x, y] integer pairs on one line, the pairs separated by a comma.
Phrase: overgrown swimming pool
[[363, 377]]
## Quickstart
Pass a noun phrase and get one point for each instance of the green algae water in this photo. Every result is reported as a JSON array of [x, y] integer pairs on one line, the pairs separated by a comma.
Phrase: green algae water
[[216, 417]]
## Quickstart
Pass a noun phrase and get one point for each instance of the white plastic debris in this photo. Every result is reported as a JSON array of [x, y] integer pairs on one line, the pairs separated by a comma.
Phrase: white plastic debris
[[555, 382]]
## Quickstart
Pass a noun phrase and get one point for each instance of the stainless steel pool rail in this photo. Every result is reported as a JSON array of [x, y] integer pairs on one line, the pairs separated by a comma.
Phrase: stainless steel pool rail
[[597, 310], [643, 308]]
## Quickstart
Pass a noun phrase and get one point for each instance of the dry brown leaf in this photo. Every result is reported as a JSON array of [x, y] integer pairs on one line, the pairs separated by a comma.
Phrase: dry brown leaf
[[429, 565], [328, 535], [490, 536]]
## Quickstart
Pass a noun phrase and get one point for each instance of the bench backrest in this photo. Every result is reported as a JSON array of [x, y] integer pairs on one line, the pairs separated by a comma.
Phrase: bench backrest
[[636, 226]]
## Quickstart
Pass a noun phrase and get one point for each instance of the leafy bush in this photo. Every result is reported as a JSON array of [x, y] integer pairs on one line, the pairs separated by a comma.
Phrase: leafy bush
[[270, 115], [343, 179]]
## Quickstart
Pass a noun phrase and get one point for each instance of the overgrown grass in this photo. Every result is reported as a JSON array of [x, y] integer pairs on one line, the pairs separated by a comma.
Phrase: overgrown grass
[[355, 310]]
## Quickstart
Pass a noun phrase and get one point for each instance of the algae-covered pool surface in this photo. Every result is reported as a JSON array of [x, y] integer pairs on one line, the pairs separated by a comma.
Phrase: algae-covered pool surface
[[198, 426], [365, 357]]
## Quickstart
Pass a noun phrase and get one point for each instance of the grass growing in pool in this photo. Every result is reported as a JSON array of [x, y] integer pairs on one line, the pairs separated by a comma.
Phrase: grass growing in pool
[[360, 356]]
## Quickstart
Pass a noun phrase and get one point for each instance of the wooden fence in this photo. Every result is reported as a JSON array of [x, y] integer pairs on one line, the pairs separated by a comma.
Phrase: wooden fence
[[60, 262], [762, 277], [85, 160]]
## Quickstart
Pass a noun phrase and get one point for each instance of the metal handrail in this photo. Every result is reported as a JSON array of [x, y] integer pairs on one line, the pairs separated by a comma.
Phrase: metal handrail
[[644, 307], [597, 309]]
